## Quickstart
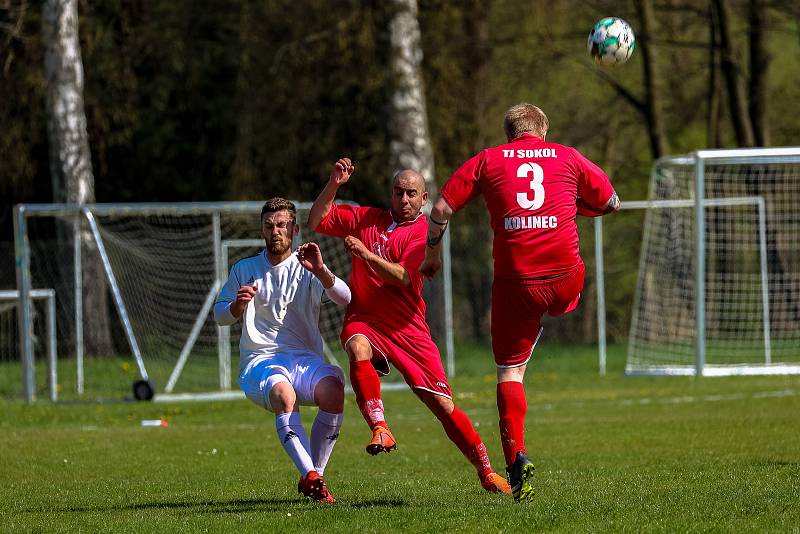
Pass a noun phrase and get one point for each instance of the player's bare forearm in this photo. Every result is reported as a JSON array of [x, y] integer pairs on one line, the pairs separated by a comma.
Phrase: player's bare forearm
[[243, 297], [613, 203], [437, 225], [325, 276], [237, 308], [340, 174], [322, 205], [310, 257], [391, 273]]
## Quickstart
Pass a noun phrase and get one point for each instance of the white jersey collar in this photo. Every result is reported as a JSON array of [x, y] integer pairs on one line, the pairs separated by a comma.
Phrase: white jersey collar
[[284, 262], [395, 224]]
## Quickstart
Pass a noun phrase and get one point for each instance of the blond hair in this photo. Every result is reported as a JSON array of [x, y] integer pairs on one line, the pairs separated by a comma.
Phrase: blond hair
[[525, 118]]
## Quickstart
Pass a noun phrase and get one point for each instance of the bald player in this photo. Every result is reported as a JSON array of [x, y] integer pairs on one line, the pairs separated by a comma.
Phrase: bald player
[[385, 320]]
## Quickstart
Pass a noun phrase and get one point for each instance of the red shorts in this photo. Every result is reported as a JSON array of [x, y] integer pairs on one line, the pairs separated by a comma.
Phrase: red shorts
[[518, 307], [414, 354]]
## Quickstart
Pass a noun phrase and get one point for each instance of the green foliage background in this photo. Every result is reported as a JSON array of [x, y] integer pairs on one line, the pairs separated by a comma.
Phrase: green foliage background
[[244, 100]]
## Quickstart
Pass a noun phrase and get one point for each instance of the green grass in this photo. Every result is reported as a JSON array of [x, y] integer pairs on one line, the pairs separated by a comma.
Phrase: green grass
[[612, 454]]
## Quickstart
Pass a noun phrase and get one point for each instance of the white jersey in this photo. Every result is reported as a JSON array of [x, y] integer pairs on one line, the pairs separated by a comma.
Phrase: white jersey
[[283, 316]]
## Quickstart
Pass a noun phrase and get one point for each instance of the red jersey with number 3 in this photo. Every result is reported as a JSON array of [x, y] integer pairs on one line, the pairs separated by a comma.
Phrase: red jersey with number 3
[[373, 300], [531, 188]]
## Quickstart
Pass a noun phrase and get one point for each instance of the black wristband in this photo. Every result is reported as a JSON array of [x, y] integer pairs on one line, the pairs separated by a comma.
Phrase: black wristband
[[434, 242]]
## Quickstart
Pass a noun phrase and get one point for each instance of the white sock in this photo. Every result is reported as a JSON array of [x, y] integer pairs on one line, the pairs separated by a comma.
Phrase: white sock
[[294, 440], [324, 433]]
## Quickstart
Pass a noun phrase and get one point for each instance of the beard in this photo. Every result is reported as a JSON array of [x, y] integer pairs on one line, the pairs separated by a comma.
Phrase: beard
[[278, 247]]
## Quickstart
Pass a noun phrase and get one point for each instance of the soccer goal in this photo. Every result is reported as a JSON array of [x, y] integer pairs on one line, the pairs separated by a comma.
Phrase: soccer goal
[[718, 289], [161, 266]]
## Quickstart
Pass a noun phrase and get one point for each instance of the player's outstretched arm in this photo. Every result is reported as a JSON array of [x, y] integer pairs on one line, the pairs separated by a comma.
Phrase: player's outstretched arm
[[310, 257], [340, 174], [437, 224]]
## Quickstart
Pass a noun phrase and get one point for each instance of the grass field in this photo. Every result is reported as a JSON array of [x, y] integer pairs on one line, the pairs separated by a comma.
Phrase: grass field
[[612, 454]]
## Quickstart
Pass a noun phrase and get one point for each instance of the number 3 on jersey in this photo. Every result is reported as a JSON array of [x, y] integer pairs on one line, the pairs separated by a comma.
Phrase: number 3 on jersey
[[537, 186]]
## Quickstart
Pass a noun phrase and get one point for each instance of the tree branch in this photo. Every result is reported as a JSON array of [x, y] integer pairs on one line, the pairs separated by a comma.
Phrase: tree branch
[[621, 89]]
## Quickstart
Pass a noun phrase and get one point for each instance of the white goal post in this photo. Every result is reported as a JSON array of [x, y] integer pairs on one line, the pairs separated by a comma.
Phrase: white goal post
[[164, 264], [718, 290]]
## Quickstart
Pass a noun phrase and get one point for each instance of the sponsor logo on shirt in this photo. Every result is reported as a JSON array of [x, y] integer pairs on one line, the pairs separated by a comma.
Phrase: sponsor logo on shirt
[[381, 248]]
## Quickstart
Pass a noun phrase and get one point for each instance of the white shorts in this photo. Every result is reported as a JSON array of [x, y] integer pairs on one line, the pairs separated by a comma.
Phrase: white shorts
[[302, 371]]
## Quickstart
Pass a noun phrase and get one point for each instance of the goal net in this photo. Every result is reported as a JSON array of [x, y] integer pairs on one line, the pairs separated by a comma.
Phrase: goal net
[[728, 302], [161, 267]]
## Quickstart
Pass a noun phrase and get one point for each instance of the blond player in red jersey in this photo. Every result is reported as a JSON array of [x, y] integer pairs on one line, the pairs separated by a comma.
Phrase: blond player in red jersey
[[533, 190], [385, 320]]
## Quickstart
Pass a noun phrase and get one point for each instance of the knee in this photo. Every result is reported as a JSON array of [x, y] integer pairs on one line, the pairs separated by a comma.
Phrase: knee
[[511, 374], [282, 398], [359, 349], [329, 395], [439, 405]]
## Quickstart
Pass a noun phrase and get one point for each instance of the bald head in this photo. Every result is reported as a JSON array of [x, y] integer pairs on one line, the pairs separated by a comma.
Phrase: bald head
[[408, 195], [410, 177]]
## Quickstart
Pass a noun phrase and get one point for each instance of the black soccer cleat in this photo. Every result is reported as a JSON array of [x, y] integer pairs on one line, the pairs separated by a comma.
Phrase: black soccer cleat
[[520, 475]]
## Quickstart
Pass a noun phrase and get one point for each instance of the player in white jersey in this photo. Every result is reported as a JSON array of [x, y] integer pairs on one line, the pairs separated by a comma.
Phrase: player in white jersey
[[278, 295]]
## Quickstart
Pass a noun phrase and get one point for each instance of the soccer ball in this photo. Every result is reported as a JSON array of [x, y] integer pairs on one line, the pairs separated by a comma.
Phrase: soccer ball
[[611, 41]]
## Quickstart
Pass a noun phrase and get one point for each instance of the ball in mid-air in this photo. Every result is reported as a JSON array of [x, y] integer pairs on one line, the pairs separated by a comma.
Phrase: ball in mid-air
[[611, 41]]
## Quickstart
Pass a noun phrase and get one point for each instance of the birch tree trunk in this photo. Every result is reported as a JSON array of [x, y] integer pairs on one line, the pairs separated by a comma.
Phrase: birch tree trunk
[[70, 160], [409, 137]]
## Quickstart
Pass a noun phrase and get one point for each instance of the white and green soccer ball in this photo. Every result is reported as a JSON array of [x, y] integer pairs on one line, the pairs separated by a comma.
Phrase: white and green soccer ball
[[611, 41]]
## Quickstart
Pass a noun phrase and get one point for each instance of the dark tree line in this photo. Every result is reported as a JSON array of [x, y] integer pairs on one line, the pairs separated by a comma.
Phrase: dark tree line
[[243, 100]]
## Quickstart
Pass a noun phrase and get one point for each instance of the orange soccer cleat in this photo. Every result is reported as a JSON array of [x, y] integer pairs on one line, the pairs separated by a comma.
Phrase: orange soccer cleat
[[382, 441], [313, 486], [494, 483]]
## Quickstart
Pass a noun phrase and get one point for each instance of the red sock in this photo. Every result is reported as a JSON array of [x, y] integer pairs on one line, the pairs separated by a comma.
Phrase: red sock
[[512, 406], [459, 429], [367, 387]]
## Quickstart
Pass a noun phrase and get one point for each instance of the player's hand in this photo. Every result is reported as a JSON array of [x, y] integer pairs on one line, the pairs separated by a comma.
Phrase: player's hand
[[430, 266], [341, 172], [310, 257], [355, 247], [243, 297], [246, 294]]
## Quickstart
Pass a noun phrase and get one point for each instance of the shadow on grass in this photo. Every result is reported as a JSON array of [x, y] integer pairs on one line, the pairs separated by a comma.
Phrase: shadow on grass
[[233, 506]]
